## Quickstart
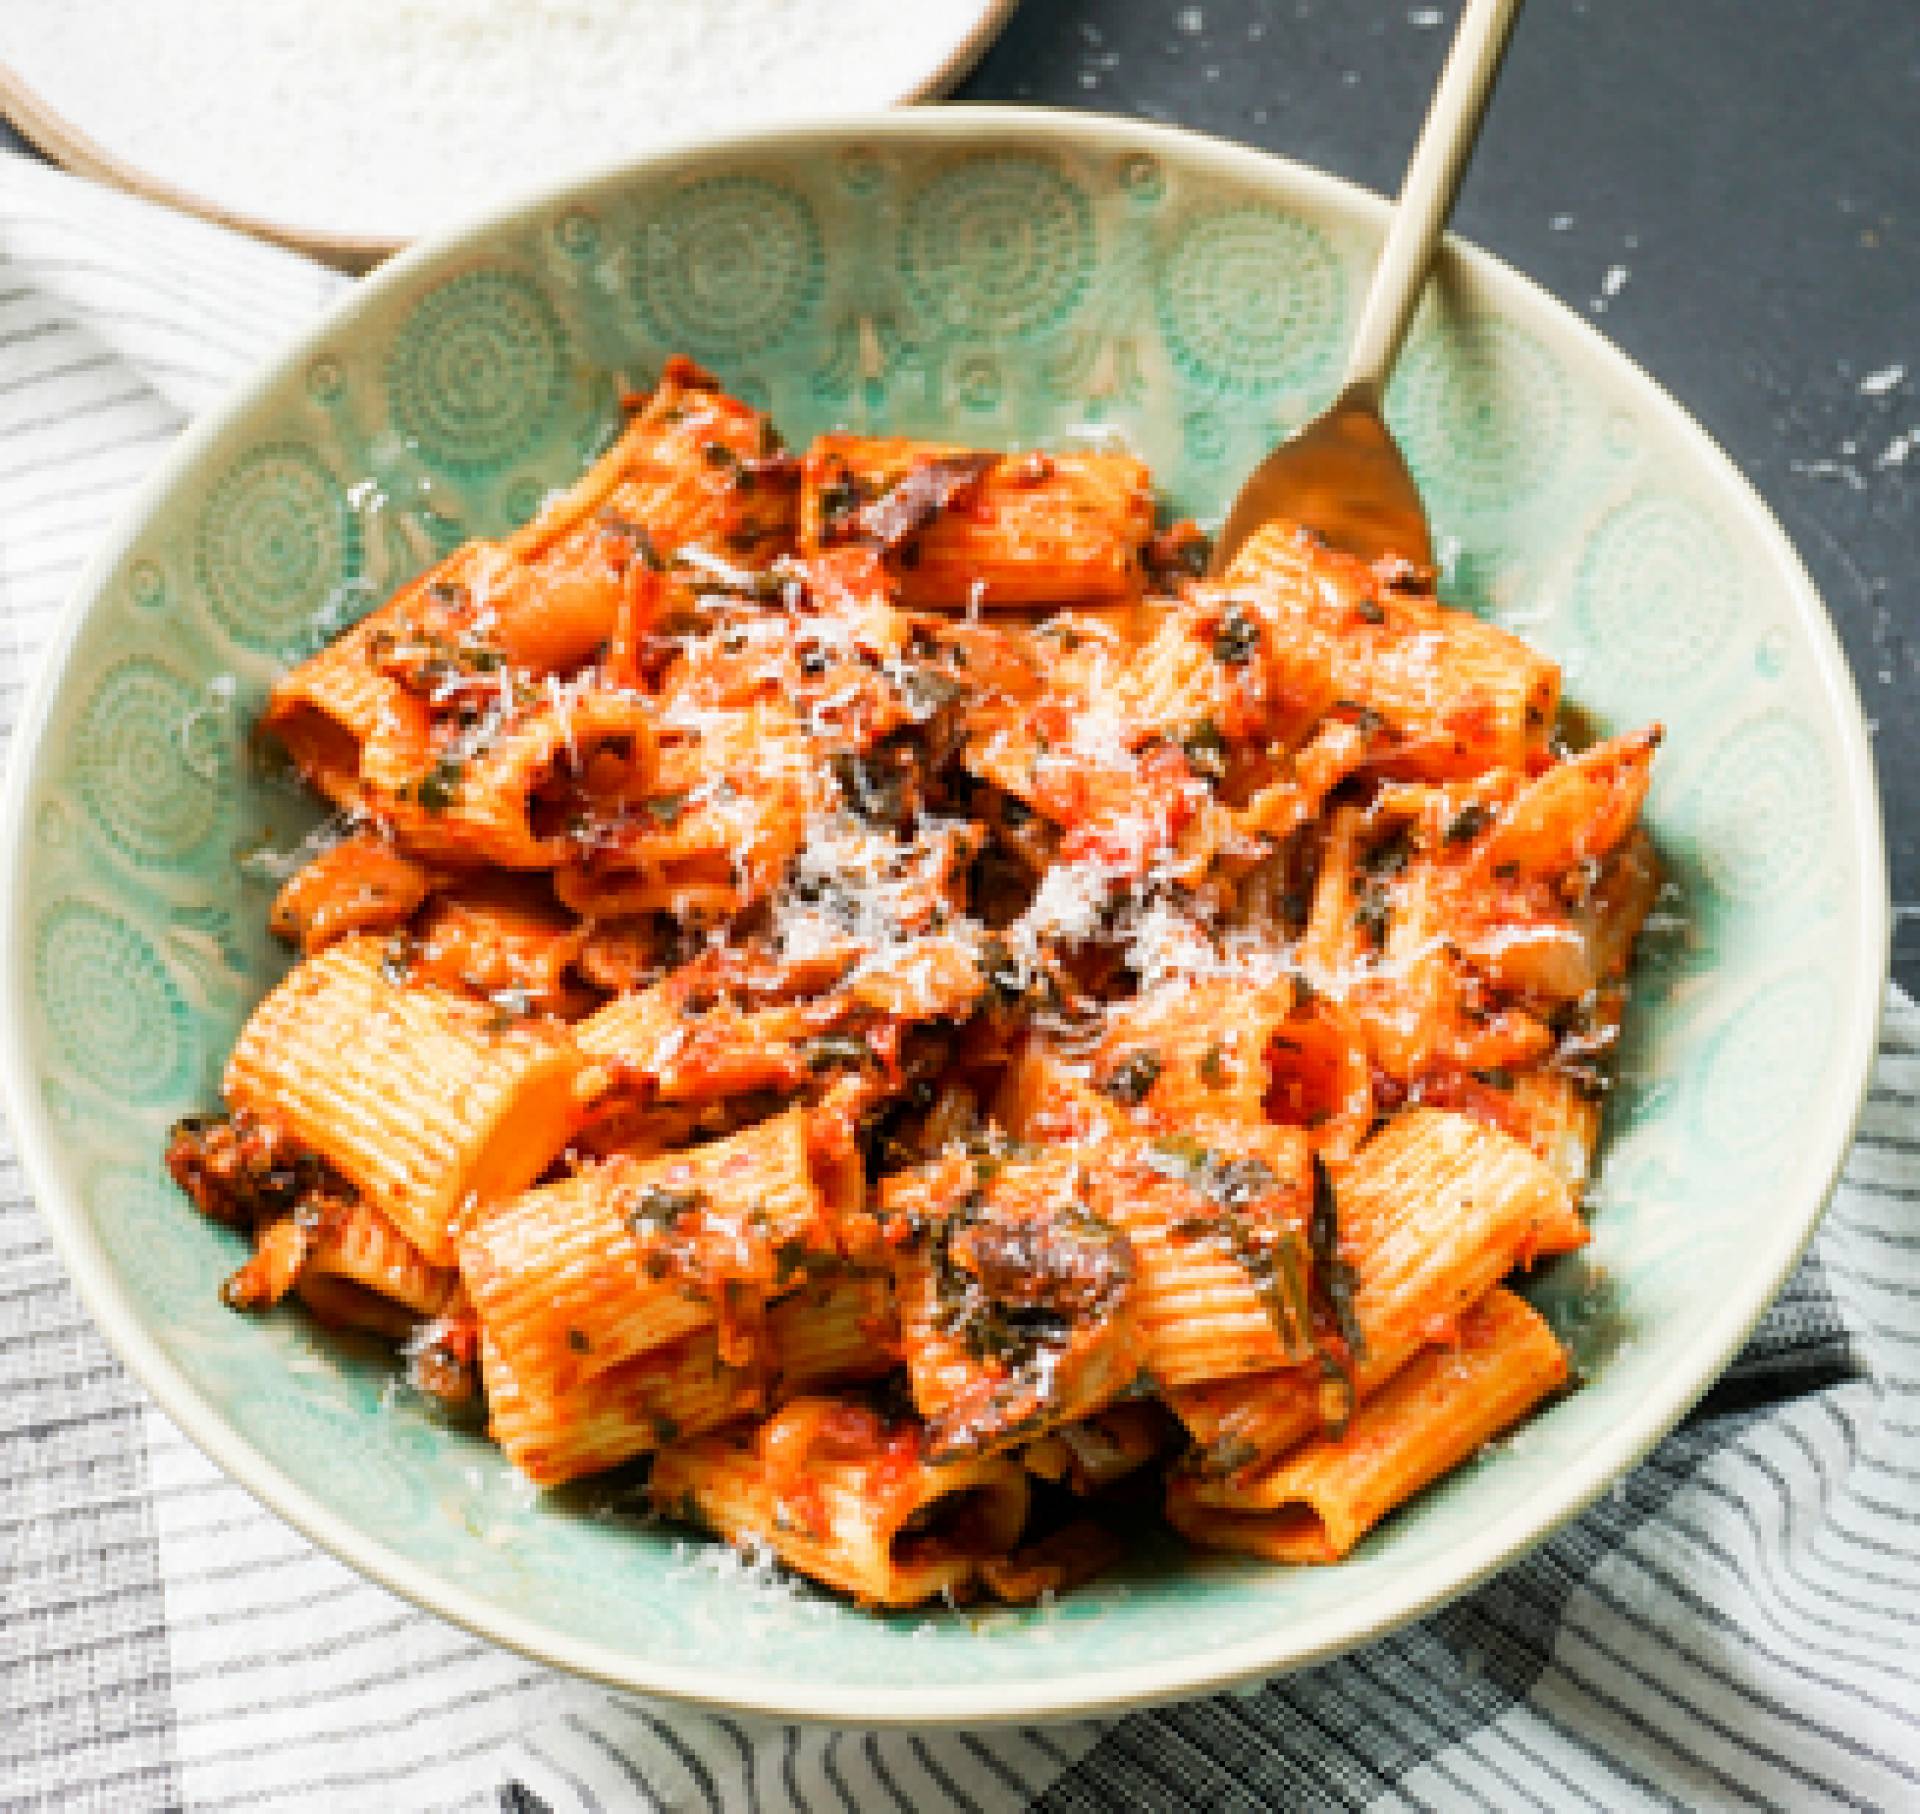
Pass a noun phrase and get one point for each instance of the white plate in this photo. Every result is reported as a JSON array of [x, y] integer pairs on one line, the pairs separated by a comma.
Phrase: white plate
[[352, 126]]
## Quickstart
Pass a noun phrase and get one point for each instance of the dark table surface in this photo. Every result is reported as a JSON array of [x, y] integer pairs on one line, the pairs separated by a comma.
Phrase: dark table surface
[[1754, 165]]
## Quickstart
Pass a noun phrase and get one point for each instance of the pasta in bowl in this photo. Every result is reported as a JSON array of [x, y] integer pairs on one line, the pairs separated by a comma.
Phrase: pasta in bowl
[[859, 997], [858, 977]]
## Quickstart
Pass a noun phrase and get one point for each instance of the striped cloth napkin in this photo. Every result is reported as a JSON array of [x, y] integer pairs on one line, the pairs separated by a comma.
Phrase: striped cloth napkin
[[1738, 1622]]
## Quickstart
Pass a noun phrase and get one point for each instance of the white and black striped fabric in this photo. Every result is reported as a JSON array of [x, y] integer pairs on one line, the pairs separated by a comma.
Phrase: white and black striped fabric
[[1738, 1623]]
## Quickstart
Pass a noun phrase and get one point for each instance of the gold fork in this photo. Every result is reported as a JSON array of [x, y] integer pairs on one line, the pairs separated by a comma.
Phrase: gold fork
[[1342, 474]]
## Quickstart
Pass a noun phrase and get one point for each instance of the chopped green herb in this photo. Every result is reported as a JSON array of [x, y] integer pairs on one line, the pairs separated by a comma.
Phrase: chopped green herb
[[577, 1341], [840, 498], [1132, 1079], [508, 1006], [1366, 720], [1213, 1067], [1003, 972], [657, 1207], [1370, 610], [1468, 823], [439, 787], [831, 1049], [1206, 749], [665, 809], [789, 1261], [1275, 1261], [1230, 1183], [1391, 855], [927, 691], [1179, 556], [1334, 1276], [872, 787], [1228, 1455], [1372, 913], [1237, 638]]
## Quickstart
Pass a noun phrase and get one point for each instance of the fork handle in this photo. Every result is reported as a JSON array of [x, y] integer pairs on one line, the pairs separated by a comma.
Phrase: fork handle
[[1427, 195]]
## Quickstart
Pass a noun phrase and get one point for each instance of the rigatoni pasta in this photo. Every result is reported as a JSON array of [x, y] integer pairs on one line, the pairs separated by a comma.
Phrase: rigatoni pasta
[[1434, 1211], [961, 527], [1324, 1495], [844, 1493], [412, 1092], [855, 983], [626, 1254], [814, 1337]]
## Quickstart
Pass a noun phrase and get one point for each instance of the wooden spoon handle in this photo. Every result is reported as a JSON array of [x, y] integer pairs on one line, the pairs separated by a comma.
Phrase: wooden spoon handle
[[1427, 195]]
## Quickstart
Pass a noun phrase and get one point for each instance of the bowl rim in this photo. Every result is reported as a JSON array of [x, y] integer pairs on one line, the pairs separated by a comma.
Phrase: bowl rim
[[1707, 1348]]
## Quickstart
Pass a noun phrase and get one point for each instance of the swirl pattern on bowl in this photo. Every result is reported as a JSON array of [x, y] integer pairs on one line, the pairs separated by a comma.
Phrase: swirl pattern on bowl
[[728, 267], [477, 373], [276, 538]]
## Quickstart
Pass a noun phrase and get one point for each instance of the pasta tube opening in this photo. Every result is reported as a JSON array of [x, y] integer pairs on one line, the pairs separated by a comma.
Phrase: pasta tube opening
[[602, 770], [324, 748], [1316, 1502], [968, 1523]]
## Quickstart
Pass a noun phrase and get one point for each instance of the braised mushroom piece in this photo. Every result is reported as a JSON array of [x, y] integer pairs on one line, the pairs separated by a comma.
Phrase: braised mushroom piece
[[1017, 1301]]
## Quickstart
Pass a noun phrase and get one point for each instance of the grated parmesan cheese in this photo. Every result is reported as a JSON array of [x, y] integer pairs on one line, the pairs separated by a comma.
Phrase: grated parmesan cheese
[[389, 117]]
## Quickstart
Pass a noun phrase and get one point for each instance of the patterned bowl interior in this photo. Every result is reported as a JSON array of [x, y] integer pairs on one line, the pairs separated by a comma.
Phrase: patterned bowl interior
[[1003, 279]]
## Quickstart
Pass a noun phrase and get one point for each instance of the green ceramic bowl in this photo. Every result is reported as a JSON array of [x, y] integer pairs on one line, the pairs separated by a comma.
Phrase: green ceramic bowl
[[1003, 277]]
